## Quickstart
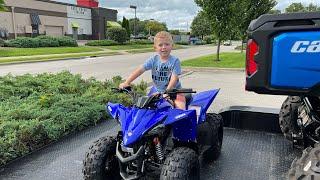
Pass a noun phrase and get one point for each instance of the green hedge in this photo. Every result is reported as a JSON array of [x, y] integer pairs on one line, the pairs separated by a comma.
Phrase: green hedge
[[113, 43], [41, 41], [183, 43], [2, 42], [138, 41], [36, 110], [102, 43]]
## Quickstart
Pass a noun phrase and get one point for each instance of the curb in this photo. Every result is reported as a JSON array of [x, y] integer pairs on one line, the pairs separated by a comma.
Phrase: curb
[[210, 69]]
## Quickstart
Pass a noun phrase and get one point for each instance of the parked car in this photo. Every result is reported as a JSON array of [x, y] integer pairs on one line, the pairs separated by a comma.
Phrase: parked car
[[227, 43]]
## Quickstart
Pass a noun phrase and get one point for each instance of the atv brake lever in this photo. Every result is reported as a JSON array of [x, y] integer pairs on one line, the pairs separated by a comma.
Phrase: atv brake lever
[[115, 89]]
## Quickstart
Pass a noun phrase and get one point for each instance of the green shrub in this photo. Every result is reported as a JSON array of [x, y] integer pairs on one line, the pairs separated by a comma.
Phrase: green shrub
[[2, 42], [67, 41], [183, 43], [47, 41], [139, 41], [117, 34], [41, 41], [102, 43], [23, 42], [36, 110], [208, 39], [199, 43]]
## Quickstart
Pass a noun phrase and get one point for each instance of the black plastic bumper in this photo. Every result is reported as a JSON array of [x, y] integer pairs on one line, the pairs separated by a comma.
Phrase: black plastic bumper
[[123, 163]]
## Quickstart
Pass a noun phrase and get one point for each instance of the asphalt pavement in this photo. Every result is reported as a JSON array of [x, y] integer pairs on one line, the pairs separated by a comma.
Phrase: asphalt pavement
[[105, 67]]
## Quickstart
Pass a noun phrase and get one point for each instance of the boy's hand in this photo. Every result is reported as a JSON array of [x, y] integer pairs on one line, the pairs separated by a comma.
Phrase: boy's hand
[[123, 85]]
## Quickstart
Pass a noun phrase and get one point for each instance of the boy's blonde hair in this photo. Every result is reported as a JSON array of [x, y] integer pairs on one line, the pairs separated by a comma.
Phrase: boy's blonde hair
[[163, 35]]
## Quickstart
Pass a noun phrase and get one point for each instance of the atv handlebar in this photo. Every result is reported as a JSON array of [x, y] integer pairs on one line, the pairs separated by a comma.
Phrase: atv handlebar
[[169, 91], [176, 91], [172, 95], [121, 90]]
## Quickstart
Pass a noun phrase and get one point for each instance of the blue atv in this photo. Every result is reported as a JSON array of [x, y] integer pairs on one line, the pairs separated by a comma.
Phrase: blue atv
[[157, 140]]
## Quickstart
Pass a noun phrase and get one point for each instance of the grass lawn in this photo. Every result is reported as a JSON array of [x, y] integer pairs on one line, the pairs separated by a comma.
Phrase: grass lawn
[[135, 46], [9, 60], [11, 52], [227, 60]]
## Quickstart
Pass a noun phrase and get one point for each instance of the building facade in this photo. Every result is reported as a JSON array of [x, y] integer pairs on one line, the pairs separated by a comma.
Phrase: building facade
[[79, 22], [45, 17]]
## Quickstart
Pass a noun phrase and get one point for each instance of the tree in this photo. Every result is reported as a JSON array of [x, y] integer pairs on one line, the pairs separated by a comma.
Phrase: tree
[[201, 26], [247, 10], [152, 27], [139, 26], [125, 25], [2, 6], [175, 32], [295, 7], [312, 8], [220, 14], [274, 11]]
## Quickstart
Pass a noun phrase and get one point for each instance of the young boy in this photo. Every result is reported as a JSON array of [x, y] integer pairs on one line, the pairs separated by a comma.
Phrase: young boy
[[165, 68]]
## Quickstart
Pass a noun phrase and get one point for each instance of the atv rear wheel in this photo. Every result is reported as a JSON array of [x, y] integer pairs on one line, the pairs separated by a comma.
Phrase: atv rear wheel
[[307, 166], [181, 164], [216, 122], [288, 116], [100, 161]]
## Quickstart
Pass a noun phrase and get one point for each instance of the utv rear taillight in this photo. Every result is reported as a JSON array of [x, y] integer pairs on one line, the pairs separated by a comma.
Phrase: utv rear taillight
[[252, 50]]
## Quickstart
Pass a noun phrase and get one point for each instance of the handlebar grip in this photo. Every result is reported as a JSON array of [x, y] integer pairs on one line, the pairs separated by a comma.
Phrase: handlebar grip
[[126, 89], [115, 89]]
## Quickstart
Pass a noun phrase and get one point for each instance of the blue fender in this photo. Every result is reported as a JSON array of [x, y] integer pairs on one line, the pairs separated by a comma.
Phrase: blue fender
[[204, 100], [184, 124]]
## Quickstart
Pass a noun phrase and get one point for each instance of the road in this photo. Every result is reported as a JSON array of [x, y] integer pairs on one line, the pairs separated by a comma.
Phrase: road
[[105, 67]]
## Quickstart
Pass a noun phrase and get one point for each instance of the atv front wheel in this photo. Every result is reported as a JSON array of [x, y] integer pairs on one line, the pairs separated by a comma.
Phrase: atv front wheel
[[181, 164], [288, 116], [100, 161], [216, 122], [307, 166]]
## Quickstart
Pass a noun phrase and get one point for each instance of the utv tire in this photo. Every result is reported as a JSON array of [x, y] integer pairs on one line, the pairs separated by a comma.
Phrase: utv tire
[[307, 166], [215, 121], [181, 164], [288, 116], [100, 162]]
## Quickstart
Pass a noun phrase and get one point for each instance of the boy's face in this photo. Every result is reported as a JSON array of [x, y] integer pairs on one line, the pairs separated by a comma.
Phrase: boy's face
[[163, 46]]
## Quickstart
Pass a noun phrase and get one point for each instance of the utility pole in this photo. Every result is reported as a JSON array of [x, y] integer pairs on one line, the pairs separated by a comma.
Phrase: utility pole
[[135, 19], [150, 27]]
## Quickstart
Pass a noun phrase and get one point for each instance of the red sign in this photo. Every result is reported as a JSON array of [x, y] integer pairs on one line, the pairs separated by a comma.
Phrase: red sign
[[88, 3]]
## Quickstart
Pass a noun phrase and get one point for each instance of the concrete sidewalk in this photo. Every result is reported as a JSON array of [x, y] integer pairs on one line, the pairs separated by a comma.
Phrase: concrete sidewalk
[[232, 89]]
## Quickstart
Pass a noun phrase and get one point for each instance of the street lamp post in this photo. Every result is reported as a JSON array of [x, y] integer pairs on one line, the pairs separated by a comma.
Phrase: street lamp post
[[135, 19], [150, 27]]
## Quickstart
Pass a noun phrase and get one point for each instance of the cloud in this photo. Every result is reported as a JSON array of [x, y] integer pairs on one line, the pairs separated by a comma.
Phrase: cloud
[[177, 14], [283, 4]]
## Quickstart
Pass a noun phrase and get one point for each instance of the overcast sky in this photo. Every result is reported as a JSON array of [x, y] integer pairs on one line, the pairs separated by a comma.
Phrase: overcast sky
[[177, 14]]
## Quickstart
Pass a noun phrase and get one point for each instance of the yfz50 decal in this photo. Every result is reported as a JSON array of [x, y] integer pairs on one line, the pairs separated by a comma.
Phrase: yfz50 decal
[[306, 46]]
